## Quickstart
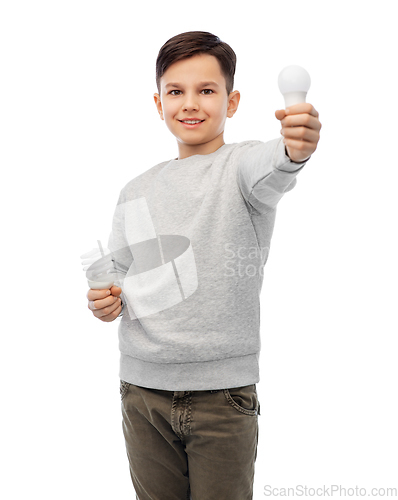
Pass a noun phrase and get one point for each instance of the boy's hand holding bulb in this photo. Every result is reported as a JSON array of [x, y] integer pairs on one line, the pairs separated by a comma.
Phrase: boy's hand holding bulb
[[103, 296], [300, 124], [105, 304]]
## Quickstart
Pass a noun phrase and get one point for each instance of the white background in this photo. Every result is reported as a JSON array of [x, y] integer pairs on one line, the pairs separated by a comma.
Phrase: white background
[[78, 121]]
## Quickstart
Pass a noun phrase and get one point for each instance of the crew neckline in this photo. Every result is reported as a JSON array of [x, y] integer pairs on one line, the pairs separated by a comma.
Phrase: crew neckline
[[198, 158]]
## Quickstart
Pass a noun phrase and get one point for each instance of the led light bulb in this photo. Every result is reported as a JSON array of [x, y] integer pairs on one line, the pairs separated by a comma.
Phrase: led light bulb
[[294, 83]]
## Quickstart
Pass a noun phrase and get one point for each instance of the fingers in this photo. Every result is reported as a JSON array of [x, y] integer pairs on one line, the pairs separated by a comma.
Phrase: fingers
[[301, 108], [113, 314], [116, 291], [302, 114], [280, 114], [302, 120], [94, 294], [300, 130], [300, 133], [105, 305], [106, 309], [100, 304]]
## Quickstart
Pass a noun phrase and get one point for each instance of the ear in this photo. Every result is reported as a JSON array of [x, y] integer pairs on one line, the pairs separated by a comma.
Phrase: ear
[[158, 104], [233, 103]]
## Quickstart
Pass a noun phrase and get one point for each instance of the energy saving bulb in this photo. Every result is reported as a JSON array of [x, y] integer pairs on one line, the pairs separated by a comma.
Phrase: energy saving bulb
[[294, 83], [98, 266]]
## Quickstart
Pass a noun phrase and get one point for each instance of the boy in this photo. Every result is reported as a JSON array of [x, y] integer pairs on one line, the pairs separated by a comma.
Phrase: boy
[[192, 235]]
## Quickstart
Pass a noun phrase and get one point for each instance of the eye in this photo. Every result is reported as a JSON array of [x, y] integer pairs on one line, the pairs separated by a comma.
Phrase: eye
[[171, 92], [207, 90]]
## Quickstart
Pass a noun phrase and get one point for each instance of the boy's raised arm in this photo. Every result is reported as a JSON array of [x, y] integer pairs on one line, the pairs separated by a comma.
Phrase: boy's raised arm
[[266, 171]]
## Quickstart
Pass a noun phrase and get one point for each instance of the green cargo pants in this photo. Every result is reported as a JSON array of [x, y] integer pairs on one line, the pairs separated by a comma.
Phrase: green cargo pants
[[191, 444]]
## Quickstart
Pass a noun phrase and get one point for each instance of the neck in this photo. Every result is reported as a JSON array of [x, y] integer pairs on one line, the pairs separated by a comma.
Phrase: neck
[[186, 150]]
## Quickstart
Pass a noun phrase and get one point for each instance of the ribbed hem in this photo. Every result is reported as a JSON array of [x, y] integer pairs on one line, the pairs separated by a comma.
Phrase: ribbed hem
[[203, 376]]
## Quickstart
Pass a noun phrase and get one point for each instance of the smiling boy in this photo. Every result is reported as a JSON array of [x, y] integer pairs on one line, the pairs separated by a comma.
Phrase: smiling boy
[[195, 89], [185, 231]]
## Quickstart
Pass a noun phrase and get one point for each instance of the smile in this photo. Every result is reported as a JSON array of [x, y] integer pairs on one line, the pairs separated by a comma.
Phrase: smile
[[191, 123]]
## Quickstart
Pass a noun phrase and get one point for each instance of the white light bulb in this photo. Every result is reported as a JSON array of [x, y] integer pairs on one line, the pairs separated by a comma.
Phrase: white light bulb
[[98, 266], [294, 83]]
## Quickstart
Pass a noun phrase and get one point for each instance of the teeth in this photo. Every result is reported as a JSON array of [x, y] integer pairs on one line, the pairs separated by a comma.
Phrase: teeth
[[192, 122]]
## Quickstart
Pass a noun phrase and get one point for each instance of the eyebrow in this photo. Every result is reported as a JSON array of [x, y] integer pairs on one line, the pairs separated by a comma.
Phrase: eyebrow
[[201, 84]]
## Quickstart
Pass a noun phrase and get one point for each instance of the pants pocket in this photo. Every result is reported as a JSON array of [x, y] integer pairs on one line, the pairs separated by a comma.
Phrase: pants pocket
[[243, 399], [124, 387]]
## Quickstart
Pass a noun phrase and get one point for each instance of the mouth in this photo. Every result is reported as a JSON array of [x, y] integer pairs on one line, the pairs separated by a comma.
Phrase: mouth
[[191, 123]]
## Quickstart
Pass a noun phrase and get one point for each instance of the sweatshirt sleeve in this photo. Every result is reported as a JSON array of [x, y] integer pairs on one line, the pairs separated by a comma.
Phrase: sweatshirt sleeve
[[265, 173]]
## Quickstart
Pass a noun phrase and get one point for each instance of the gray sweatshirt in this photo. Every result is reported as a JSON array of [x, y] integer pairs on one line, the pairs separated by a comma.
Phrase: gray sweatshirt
[[190, 239]]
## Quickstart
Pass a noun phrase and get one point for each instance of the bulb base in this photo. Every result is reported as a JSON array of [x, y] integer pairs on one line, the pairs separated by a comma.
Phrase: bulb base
[[100, 285], [292, 98]]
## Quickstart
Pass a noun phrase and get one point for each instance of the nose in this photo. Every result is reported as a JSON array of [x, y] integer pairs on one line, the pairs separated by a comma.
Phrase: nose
[[190, 102]]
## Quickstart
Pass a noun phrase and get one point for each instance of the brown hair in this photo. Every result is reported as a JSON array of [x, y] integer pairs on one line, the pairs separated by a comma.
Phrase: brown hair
[[193, 43]]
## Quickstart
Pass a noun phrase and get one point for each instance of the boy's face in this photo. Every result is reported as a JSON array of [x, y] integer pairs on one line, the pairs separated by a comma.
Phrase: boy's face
[[186, 93]]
